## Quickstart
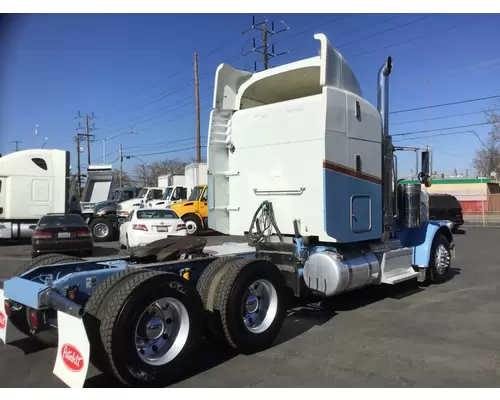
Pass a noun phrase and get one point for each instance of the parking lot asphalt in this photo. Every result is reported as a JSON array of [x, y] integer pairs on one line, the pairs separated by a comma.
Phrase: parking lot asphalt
[[390, 336]]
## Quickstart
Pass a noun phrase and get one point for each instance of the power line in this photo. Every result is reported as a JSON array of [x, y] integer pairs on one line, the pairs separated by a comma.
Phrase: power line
[[167, 152], [440, 150], [316, 27], [422, 36], [385, 31], [435, 135], [168, 111], [441, 129], [161, 97], [444, 117], [179, 71], [445, 104]]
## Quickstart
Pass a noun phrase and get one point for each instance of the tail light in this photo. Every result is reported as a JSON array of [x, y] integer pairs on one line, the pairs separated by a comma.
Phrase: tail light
[[180, 227], [8, 310], [140, 227], [42, 235], [34, 319], [83, 233]]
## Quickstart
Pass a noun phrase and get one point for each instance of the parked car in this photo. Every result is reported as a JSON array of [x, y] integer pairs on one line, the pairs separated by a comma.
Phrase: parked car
[[446, 207], [61, 233], [145, 225]]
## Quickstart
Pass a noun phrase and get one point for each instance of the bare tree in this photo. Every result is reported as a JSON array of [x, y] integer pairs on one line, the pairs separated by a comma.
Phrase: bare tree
[[192, 159], [487, 159], [147, 175], [126, 179], [141, 172]]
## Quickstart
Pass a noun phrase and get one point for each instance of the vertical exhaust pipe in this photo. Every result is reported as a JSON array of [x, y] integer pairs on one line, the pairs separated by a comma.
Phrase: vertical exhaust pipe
[[387, 151]]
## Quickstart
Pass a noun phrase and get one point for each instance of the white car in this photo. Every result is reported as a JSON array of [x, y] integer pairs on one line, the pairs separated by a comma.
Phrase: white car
[[145, 225]]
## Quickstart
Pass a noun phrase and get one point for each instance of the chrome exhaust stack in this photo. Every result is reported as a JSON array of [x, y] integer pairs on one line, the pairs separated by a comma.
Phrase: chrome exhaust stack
[[387, 149]]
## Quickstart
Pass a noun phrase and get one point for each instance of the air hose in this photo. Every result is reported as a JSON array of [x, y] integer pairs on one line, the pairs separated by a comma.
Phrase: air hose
[[267, 215]]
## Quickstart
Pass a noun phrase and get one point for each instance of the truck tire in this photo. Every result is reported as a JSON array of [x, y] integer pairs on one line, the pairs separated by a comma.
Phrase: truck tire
[[249, 305], [94, 309], [206, 278], [207, 288], [20, 318], [102, 230], [193, 224], [440, 260], [151, 306]]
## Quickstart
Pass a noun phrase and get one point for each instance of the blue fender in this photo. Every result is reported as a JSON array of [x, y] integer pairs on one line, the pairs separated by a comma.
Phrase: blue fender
[[421, 240]]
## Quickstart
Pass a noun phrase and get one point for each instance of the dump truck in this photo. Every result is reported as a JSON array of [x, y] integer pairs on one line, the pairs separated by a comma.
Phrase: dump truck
[[300, 163]]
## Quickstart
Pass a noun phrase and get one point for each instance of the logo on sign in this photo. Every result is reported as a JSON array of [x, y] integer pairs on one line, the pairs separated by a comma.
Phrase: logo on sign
[[3, 320], [72, 358]]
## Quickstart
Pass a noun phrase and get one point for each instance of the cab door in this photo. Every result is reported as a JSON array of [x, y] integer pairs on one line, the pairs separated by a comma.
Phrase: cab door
[[203, 207]]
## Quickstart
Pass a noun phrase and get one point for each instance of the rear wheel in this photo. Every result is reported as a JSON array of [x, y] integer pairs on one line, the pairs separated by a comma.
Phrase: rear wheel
[[150, 328], [94, 309], [102, 230], [249, 305], [20, 314]]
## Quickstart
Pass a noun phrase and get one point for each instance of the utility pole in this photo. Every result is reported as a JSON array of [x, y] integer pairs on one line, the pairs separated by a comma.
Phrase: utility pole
[[87, 134], [88, 131], [197, 98], [77, 138], [17, 142], [264, 48], [121, 164], [264, 43]]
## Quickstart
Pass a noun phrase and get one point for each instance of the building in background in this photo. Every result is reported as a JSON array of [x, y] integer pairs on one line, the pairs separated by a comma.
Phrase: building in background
[[478, 197]]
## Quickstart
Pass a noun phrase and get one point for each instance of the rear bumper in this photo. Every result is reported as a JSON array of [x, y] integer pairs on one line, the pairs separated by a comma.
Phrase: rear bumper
[[41, 246], [144, 239]]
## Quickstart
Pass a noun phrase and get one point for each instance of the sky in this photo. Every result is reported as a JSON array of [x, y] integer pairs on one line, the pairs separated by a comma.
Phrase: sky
[[136, 71]]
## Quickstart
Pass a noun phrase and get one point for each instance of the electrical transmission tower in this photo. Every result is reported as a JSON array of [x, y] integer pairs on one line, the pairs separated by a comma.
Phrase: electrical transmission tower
[[87, 131], [264, 48]]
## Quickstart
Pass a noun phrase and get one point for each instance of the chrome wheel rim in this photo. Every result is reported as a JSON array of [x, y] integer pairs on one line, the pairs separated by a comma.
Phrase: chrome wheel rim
[[101, 230], [260, 306], [190, 227], [442, 259], [162, 331]]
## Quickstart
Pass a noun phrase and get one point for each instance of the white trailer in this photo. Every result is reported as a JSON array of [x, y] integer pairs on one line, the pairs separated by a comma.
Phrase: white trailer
[[196, 174], [300, 162], [171, 180], [33, 183]]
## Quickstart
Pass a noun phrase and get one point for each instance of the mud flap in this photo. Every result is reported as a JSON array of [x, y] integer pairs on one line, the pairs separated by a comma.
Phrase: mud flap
[[73, 351], [3, 319]]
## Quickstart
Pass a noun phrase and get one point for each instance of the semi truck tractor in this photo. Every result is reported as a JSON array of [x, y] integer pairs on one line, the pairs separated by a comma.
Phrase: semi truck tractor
[[33, 183], [302, 165]]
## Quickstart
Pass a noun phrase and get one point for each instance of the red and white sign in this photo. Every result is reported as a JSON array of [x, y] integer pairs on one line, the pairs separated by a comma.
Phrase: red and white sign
[[72, 358], [3, 320], [73, 352]]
